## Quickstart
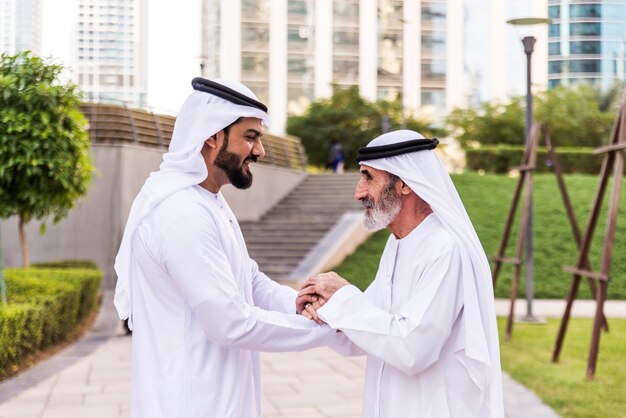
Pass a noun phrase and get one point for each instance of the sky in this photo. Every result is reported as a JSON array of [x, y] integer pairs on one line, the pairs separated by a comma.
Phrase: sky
[[173, 46]]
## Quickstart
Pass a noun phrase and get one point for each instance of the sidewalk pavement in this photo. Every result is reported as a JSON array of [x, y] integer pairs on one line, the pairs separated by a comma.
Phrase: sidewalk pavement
[[91, 378]]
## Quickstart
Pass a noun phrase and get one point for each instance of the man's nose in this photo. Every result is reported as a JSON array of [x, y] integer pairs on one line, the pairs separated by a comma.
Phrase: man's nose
[[360, 191], [258, 149]]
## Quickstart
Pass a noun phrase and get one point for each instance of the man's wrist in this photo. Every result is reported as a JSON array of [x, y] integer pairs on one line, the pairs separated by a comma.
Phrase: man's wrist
[[332, 307]]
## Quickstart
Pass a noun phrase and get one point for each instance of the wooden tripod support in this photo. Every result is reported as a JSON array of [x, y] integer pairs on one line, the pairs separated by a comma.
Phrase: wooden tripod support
[[529, 162], [614, 156]]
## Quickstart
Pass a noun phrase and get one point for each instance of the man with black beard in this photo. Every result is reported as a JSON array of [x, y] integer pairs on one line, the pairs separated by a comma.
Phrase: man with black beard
[[198, 305], [427, 322]]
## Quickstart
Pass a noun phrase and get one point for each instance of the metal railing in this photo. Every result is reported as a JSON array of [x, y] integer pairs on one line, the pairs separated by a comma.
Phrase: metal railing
[[112, 123]]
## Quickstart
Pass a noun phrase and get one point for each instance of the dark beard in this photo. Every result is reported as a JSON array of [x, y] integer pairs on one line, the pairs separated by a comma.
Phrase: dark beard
[[233, 167]]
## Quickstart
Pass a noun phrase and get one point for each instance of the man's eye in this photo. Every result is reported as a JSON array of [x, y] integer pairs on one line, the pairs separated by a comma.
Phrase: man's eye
[[251, 138]]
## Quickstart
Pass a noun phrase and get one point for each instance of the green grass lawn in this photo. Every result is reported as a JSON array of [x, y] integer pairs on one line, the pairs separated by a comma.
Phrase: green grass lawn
[[563, 386], [487, 200]]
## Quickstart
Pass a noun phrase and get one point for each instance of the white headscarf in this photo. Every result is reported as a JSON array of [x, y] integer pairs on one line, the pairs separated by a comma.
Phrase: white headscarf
[[424, 173], [201, 116]]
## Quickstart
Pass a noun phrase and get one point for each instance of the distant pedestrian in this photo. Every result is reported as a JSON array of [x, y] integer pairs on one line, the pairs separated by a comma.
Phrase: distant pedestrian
[[337, 157]]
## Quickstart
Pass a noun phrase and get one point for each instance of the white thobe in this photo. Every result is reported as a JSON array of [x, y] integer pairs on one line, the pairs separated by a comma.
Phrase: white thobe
[[201, 310], [410, 323]]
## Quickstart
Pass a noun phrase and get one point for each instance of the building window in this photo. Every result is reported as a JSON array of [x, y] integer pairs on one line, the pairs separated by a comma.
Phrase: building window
[[255, 9], [345, 39], [297, 8], [584, 66], [436, 98], [255, 35], [434, 14], [255, 65], [297, 35], [585, 47], [585, 10], [345, 11], [554, 30], [346, 69], [297, 66], [554, 12], [554, 48], [585, 29], [434, 70], [555, 67], [388, 93]]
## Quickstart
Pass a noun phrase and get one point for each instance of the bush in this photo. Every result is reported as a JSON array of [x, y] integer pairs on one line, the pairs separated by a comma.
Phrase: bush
[[66, 264], [20, 333], [502, 158], [45, 305]]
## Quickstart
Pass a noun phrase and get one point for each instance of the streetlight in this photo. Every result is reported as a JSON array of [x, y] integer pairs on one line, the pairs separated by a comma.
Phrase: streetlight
[[529, 43]]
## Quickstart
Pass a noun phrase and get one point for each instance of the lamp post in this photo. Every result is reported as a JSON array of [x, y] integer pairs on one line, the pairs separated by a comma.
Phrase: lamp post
[[529, 43]]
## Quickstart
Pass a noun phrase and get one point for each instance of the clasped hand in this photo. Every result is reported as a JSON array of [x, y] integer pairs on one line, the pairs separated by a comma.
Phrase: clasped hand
[[315, 292]]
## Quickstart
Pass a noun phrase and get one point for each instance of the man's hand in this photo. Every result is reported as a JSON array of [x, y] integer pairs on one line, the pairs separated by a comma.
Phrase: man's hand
[[303, 301], [324, 285], [310, 309], [314, 293]]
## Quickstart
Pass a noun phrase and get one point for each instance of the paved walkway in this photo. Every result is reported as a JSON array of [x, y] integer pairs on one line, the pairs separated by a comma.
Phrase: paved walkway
[[92, 377]]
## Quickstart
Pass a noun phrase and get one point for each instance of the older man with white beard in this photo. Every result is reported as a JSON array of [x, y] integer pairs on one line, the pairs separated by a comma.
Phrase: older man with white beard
[[427, 322]]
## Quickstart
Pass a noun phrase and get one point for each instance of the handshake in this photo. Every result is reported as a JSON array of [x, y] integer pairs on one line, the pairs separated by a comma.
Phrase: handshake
[[315, 292]]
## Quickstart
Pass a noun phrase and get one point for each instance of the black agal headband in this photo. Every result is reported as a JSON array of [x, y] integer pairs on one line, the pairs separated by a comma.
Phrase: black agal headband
[[384, 151], [219, 90]]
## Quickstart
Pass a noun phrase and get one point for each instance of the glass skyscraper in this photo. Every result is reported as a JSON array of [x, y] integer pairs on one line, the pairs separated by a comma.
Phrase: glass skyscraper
[[587, 41]]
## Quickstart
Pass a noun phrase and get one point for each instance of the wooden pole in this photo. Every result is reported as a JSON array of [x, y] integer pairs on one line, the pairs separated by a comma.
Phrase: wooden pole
[[613, 159]]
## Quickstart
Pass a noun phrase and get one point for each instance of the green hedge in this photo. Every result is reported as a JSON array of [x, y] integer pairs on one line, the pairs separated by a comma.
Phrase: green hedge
[[44, 306], [502, 158], [67, 264]]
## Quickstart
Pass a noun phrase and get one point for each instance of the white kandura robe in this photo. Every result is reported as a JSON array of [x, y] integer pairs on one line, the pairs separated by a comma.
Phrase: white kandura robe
[[202, 310], [409, 322]]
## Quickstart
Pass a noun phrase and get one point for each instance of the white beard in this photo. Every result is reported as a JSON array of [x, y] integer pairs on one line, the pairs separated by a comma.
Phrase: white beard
[[382, 213]]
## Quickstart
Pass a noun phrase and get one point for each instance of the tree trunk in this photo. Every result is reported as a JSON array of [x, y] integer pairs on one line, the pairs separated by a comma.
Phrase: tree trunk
[[23, 244]]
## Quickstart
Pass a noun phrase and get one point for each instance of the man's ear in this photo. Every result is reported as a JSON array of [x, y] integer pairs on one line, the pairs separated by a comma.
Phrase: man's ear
[[404, 189], [212, 141]]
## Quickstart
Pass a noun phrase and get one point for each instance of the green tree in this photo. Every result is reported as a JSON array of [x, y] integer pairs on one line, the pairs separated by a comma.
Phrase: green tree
[[350, 120], [492, 123], [573, 115], [45, 164]]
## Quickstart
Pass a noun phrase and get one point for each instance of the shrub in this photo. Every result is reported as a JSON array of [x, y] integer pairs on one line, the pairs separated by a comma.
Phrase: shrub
[[45, 305], [502, 158], [66, 264]]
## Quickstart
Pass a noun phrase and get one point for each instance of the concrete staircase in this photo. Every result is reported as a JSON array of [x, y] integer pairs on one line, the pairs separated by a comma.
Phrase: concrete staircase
[[285, 235]]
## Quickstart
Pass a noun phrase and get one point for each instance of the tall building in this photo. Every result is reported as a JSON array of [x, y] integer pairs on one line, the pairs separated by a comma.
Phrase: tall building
[[437, 54], [20, 26], [110, 53], [587, 42]]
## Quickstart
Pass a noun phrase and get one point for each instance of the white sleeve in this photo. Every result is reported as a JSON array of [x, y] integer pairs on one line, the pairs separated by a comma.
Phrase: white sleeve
[[412, 340], [192, 254], [270, 295]]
